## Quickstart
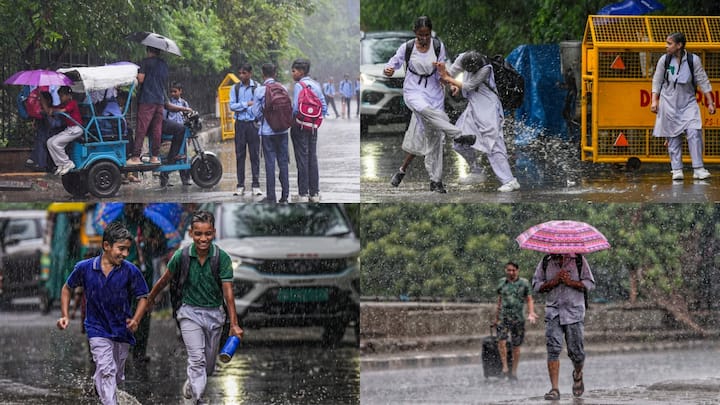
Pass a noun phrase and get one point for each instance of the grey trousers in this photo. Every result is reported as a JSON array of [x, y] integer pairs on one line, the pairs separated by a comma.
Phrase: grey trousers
[[109, 357], [201, 329], [573, 334], [497, 157], [695, 146], [56, 144]]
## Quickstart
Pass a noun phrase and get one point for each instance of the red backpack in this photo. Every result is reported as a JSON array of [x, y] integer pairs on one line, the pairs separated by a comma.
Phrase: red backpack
[[278, 107], [309, 113], [32, 104]]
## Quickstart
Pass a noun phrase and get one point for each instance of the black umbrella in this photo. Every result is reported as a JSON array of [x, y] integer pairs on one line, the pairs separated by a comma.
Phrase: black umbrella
[[155, 40]]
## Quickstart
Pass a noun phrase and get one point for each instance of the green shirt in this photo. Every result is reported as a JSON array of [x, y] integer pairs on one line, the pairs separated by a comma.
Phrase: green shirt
[[201, 288], [513, 295]]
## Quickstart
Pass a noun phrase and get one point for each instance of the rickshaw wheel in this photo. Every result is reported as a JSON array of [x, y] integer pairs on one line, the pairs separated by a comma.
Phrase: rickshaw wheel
[[104, 179], [75, 184], [206, 172]]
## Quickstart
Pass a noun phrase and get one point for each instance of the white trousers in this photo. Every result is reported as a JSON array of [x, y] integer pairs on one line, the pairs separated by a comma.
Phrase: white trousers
[[497, 157], [201, 329], [109, 357], [56, 144], [695, 147]]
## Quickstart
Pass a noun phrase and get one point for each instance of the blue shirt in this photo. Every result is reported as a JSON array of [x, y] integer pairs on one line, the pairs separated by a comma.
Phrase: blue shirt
[[177, 116], [346, 88], [257, 110], [329, 89], [315, 87], [153, 86], [108, 298], [240, 94]]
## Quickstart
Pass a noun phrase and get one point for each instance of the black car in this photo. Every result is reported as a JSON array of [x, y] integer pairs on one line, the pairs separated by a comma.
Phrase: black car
[[21, 244]]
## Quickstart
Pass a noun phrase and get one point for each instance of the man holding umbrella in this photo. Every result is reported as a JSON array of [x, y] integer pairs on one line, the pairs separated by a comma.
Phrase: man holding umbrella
[[565, 276]]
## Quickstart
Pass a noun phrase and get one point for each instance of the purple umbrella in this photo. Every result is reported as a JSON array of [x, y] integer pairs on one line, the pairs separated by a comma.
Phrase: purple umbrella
[[39, 77]]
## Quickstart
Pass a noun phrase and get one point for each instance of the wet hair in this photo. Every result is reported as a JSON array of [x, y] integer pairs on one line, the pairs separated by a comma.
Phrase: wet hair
[[472, 61], [302, 65], [678, 38], [268, 70], [116, 232], [512, 264], [245, 66], [203, 217], [176, 85], [64, 90], [422, 22]]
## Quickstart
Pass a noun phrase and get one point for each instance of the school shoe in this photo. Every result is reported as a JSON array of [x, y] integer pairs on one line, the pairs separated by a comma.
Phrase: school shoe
[[240, 191], [66, 169], [303, 199], [511, 185], [397, 178], [187, 391], [314, 198], [677, 174], [701, 174], [256, 191], [437, 187]]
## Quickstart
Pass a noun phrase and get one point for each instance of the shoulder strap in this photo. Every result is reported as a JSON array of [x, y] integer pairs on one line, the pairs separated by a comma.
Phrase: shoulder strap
[[215, 265], [184, 267], [545, 261], [579, 265], [436, 46], [409, 45], [691, 62]]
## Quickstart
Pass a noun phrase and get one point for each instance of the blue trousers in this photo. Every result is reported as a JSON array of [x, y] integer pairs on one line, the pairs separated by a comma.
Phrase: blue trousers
[[305, 148], [247, 140], [275, 148]]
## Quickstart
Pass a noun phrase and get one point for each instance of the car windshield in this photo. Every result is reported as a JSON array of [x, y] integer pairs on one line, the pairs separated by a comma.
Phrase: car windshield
[[379, 50], [248, 220]]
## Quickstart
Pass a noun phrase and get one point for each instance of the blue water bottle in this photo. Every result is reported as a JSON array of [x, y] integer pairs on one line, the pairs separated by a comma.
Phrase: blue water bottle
[[229, 349]]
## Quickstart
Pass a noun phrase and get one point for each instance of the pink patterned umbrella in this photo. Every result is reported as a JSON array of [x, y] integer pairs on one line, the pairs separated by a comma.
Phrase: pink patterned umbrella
[[563, 237], [39, 77]]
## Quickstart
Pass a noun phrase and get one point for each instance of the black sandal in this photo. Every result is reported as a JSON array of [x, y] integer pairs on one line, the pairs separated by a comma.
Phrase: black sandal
[[553, 395], [578, 386]]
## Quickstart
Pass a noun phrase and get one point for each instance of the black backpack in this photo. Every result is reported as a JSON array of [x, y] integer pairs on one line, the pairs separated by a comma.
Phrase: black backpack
[[409, 45], [578, 266], [509, 82], [690, 60]]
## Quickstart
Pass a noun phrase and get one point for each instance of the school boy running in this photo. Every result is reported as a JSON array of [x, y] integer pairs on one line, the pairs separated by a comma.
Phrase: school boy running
[[109, 282], [201, 316]]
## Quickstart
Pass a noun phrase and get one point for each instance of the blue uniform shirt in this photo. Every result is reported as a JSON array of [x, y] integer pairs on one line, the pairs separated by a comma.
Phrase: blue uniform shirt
[[108, 298], [239, 103], [346, 88], [315, 87]]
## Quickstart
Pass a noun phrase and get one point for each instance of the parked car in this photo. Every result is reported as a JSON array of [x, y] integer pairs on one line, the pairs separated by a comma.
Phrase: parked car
[[381, 96], [21, 243], [294, 265]]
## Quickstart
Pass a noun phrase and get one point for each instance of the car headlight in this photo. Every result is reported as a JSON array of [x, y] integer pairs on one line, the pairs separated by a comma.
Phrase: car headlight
[[238, 262], [366, 79]]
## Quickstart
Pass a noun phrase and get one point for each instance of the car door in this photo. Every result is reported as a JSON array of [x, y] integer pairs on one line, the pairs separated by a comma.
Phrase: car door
[[22, 243]]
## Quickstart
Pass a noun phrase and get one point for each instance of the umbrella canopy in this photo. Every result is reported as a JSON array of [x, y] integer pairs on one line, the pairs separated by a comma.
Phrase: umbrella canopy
[[563, 237], [156, 41], [167, 216], [39, 77]]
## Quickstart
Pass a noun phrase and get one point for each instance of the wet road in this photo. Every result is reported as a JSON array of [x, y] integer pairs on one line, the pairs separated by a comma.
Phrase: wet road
[[41, 365], [338, 160], [548, 171], [639, 378]]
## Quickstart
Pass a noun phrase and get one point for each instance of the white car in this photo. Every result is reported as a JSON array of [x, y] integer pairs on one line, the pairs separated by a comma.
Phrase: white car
[[293, 265]]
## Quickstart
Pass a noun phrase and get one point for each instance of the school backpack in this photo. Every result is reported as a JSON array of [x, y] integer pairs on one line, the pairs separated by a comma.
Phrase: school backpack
[[20, 100], [690, 61], [578, 266], [309, 113], [31, 104], [278, 107], [409, 45], [509, 82]]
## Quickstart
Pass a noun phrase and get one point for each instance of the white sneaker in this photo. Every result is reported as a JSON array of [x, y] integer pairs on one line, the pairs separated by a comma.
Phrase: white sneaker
[[187, 391], [66, 169], [240, 191], [677, 174], [511, 185], [256, 191], [303, 199], [701, 174], [314, 198]]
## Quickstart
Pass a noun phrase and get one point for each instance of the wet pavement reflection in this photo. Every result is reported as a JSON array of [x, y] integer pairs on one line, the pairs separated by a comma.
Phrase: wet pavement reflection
[[42, 365], [548, 170]]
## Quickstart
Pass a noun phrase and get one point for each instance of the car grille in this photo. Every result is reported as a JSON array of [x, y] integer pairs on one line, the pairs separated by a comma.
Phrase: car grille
[[302, 267]]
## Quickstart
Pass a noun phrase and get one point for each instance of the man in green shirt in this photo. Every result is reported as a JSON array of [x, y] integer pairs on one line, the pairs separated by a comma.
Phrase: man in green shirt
[[201, 316], [513, 292]]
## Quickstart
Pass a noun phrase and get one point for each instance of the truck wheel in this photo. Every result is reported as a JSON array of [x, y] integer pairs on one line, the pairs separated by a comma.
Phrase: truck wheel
[[76, 184], [206, 172], [104, 179]]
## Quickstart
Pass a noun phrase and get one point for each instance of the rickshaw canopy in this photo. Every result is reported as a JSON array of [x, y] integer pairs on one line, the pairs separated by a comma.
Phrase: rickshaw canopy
[[102, 77]]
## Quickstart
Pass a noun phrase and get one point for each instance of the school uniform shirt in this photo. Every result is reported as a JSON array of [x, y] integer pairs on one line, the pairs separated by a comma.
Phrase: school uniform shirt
[[678, 109], [153, 86], [329, 89], [346, 88], [421, 94], [563, 301], [177, 116], [108, 299], [257, 111], [239, 104], [315, 87], [201, 288]]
